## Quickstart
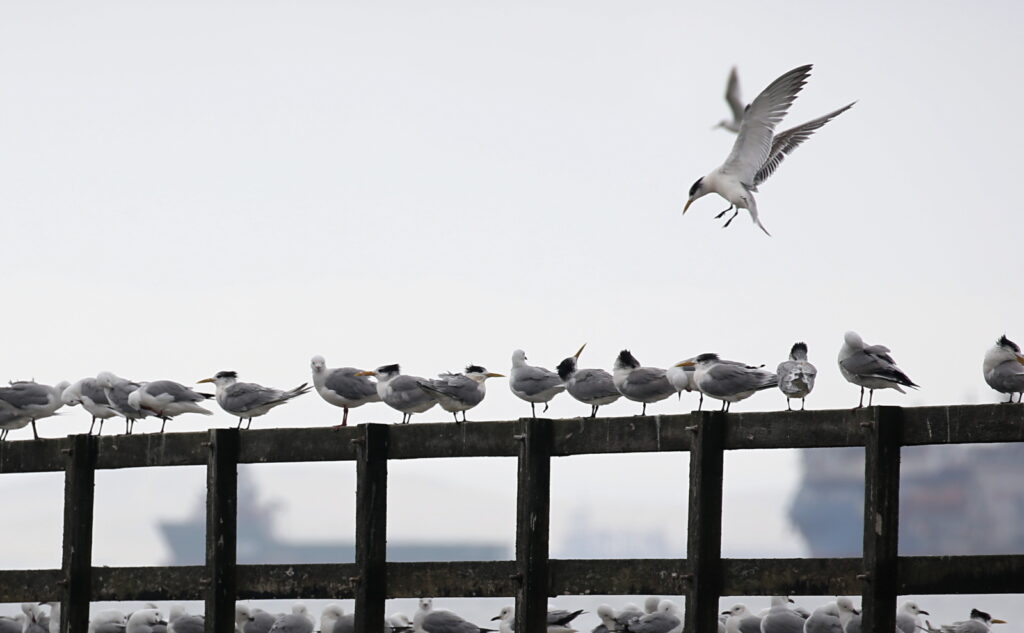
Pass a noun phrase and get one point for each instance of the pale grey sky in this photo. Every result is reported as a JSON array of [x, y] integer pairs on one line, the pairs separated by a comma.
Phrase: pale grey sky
[[195, 186]]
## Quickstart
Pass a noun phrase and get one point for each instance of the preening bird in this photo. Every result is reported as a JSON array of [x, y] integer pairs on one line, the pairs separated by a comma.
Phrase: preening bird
[[248, 400], [459, 392], [758, 151], [88, 393], [117, 390], [535, 385], [401, 392], [1003, 368], [640, 384], [590, 386], [343, 387], [167, 399], [870, 367], [796, 375], [29, 400]]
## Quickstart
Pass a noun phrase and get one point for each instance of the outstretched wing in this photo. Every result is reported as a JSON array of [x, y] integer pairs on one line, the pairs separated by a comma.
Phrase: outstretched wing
[[732, 96], [786, 142]]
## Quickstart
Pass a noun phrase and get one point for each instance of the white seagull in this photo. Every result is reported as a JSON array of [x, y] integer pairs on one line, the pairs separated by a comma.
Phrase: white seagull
[[533, 384], [796, 375], [167, 399], [88, 393], [1004, 368], [342, 387], [758, 151], [870, 367], [32, 401], [248, 400]]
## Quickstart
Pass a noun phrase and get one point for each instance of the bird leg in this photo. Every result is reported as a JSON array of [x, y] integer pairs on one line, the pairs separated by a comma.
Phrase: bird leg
[[456, 415], [93, 423], [861, 405], [701, 403], [871, 396], [787, 405], [545, 407], [803, 402], [533, 410], [100, 432], [719, 216], [36, 435], [731, 218], [644, 410], [593, 411], [248, 424], [239, 424], [344, 419], [163, 423]]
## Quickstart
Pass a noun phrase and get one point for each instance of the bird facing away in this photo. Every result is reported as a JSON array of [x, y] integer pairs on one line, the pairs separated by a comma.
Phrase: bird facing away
[[728, 381], [849, 616], [613, 621], [732, 97], [145, 621], [558, 620], [667, 619], [117, 390], [824, 619], [741, 620], [459, 392], [401, 392], [29, 400], [758, 151], [167, 399], [292, 623], [640, 384], [980, 622], [533, 384], [1003, 368], [906, 617], [253, 619], [796, 375], [590, 386], [88, 393], [781, 619], [12, 623], [343, 387], [248, 400], [870, 367], [682, 375]]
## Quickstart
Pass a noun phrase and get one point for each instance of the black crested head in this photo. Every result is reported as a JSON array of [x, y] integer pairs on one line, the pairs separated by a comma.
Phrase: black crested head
[[980, 615], [696, 186], [475, 369], [703, 358], [626, 359], [566, 368], [226, 374], [799, 351], [389, 369], [1005, 342]]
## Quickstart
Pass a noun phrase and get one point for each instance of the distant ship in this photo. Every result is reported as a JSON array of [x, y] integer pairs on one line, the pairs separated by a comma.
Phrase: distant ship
[[954, 500], [257, 543]]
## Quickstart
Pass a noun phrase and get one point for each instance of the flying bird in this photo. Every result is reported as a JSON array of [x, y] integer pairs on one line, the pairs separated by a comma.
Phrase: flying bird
[[248, 400], [758, 151], [732, 97], [590, 386], [401, 392], [459, 392], [1003, 368], [796, 375], [640, 384], [343, 387], [535, 385], [870, 367]]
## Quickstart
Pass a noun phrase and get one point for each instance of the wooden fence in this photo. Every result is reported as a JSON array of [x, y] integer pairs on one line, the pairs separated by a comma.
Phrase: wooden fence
[[701, 577]]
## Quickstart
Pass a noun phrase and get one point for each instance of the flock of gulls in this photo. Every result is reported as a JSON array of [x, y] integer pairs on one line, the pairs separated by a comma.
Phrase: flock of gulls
[[657, 616], [107, 395]]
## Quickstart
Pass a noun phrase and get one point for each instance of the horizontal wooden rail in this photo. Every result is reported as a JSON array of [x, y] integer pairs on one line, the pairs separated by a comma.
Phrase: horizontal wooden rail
[[960, 424]]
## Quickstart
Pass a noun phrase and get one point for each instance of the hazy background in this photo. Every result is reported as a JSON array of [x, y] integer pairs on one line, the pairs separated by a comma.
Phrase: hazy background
[[195, 186]]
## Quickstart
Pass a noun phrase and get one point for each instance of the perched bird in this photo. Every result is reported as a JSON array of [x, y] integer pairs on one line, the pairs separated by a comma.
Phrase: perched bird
[[248, 400], [906, 617], [145, 621], [300, 609], [292, 623], [33, 401], [796, 375], [167, 399], [728, 381], [11, 419], [781, 619], [53, 617], [683, 377], [849, 616], [613, 621], [870, 367], [117, 390], [824, 619], [590, 386], [667, 619], [109, 621], [1004, 368], [741, 620], [12, 623], [88, 393], [343, 387], [459, 392], [558, 620], [253, 619], [429, 620], [758, 151], [35, 619], [533, 384], [401, 392], [640, 384], [732, 97], [980, 622], [179, 621]]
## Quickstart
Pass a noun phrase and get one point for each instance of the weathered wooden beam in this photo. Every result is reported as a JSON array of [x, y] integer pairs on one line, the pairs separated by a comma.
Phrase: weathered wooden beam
[[936, 575], [79, 491], [371, 526], [589, 436], [450, 439], [463, 579], [533, 505], [27, 585], [620, 577], [791, 576], [704, 522], [115, 584], [221, 529], [881, 519]]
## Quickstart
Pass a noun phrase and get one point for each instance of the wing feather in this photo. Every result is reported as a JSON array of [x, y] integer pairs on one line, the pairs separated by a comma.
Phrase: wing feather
[[785, 142]]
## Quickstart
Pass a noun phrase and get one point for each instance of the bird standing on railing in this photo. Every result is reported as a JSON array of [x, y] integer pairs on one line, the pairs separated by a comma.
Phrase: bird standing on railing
[[907, 617], [32, 401], [459, 392], [145, 621], [728, 381], [429, 620], [117, 390], [870, 367], [667, 619], [741, 620], [535, 385], [88, 393], [682, 375], [640, 384], [980, 622], [590, 386], [400, 392], [248, 400], [796, 375], [167, 399], [343, 387], [1003, 368], [558, 620], [781, 619]]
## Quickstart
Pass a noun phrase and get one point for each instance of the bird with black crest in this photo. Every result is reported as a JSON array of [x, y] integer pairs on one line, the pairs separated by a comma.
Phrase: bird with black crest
[[640, 384], [1003, 368], [728, 381], [590, 386], [401, 392], [459, 392], [248, 400], [796, 375]]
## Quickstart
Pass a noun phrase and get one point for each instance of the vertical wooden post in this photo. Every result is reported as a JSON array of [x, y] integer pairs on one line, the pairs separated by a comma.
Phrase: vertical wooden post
[[704, 522], [533, 507], [371, 527], [881, 519], [79, 489], [221, 530]]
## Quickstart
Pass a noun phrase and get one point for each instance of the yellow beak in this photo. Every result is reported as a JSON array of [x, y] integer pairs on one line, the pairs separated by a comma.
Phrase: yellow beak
[[366, 373], [580, 351], [1020, 359], [494, 375], [205, 380], [997, 621], [685, 363], [688, 203]]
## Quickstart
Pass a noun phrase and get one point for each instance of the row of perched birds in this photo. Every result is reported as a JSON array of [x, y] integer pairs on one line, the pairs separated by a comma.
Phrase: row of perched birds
[[870, 367], [657, 616]]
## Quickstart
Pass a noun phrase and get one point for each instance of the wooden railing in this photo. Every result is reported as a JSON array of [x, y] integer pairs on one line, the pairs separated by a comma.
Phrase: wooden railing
[[702, 576]]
